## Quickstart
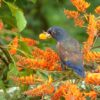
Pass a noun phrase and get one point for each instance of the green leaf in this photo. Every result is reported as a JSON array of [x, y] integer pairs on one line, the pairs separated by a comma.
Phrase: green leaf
[[34, 1], [13, 71], [19, 16], [24, 47], [44, 75], [2, 86]]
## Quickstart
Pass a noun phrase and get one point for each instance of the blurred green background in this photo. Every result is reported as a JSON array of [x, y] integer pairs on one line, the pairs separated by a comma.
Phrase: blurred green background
[[42, 14]]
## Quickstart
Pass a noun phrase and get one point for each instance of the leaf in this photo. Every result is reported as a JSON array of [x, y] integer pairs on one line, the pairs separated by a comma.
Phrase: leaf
[[24, 47], [2, 86], [44, 75], [13, 71], [34, 1], [19, 16]]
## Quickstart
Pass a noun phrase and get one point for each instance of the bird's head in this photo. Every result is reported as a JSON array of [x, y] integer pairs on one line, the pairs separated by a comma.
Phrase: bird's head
[[56, 32]]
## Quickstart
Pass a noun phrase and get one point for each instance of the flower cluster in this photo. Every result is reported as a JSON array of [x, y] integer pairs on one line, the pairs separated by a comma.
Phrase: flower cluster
[[93, 78], [92, 24], [28, 80], [81, 5], [14, 45], [71, 14], [92, 57], [43, 59], [41, 90], [68, 91], [71, 91]]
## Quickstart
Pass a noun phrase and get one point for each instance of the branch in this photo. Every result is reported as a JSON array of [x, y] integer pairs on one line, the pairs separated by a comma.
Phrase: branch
[[4, 60]]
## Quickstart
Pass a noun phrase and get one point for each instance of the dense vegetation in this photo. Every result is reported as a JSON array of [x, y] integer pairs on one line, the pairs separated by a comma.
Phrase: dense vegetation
[[30, 68]]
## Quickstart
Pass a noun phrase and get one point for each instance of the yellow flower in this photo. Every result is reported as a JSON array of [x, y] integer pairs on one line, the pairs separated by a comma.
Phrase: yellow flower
[[44, 36]]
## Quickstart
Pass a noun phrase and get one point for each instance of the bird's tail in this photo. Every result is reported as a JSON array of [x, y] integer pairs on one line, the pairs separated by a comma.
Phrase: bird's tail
[[79, 69]]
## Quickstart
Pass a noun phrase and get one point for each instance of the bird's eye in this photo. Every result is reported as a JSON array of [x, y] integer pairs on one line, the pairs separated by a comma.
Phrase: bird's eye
[[49, 31]]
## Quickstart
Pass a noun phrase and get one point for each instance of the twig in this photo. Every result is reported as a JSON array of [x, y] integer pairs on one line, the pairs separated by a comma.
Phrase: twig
[[4, 60]]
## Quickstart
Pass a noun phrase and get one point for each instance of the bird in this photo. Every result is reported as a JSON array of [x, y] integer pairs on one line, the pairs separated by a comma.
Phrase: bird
[[68, 50]]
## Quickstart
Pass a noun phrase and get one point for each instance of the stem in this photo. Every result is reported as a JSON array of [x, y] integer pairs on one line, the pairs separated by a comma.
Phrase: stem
[[5, 51], [4, 60], [95, 47]]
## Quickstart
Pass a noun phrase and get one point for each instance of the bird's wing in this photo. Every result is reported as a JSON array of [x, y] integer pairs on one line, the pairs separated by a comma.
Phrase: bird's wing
[[69, 50]]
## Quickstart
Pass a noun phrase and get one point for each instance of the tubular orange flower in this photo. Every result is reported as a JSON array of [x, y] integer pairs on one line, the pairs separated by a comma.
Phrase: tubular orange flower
[[14, 46], [41, 90], [79, 22], [81, 5], [92, 56], [59, 92], [97, 10], [46, 59], [29, 41], [28, 80], [88, 44], [92, 95], [93, 78], [68, 91], [71, 14], [91, 28]]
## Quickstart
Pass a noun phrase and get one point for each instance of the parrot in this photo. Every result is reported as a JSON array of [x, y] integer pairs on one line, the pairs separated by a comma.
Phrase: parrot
[[68, 50]]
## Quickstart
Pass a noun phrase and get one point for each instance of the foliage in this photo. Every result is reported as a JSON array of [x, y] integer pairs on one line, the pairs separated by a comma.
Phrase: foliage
[[30, 70]]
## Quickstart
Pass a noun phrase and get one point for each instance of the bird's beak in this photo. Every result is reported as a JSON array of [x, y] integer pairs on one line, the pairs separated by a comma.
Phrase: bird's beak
[[44, 36]]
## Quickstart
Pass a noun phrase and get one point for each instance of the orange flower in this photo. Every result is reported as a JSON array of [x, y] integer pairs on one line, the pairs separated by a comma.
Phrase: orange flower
[[71, 14], [14, 46], [93, 78], [1, 25], [41, 90], [29, 41], [81, 5], [92, 57], [59, 92], [88, 44], [92, 95], [98, 25], [91, 28], [79, 22], [28, 80], [46, 59], [69, 91], [97, 10]]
